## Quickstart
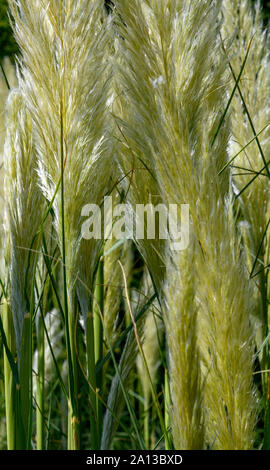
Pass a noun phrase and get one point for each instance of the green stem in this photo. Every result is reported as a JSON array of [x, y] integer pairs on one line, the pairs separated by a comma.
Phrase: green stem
[[69, 310], [70, 315], [98, 333], [146, 421], [265, 329], [25, 374], [73, 411], [167, 401], [265, 359], [40, 386], [10, 385], [91, 371]]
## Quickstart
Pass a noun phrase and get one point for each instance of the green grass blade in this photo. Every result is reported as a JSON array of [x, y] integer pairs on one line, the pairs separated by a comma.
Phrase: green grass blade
[[251, 181], [10, 382], [12, 363], [25, 374], [242, 149], [5, 76], [259, 249], [126, 397], [232, 94], [123, 336], [98, 308]]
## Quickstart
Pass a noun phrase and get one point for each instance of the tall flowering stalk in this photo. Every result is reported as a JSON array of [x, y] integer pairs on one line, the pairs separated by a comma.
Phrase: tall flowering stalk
[[64, 81], [251, 116], [7, 81], [137, 176], [228, 338], [24, 204], [174, 108]]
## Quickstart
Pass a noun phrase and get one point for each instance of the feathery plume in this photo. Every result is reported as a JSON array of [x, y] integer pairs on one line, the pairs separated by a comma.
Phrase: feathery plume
[[137, 176], [64, 79], [65, 84], [187, 415], [250, 115], [179, 84], [226, 303], [9, 70], [24, 202]]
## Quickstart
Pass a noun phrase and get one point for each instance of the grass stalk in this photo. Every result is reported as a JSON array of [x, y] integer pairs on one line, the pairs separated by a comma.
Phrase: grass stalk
[[98, 338], [16, 432], [91, 371], [167, 401], [40, 387], [70, 317], [73, 411], [25, 374], [10, 385], [146, 421], [265, 328]]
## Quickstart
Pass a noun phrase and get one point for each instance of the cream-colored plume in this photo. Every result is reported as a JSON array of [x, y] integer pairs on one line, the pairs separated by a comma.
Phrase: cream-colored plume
[[245, 29], [65, 71], [174, 79], [24, 206]]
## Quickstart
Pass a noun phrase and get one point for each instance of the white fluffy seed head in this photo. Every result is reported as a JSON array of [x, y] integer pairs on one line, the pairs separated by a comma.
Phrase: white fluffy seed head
[[65, 70], [24, 206]]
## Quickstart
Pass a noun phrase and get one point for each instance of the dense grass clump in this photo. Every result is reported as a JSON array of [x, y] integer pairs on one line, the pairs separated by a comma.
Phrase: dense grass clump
[[125, 342]]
